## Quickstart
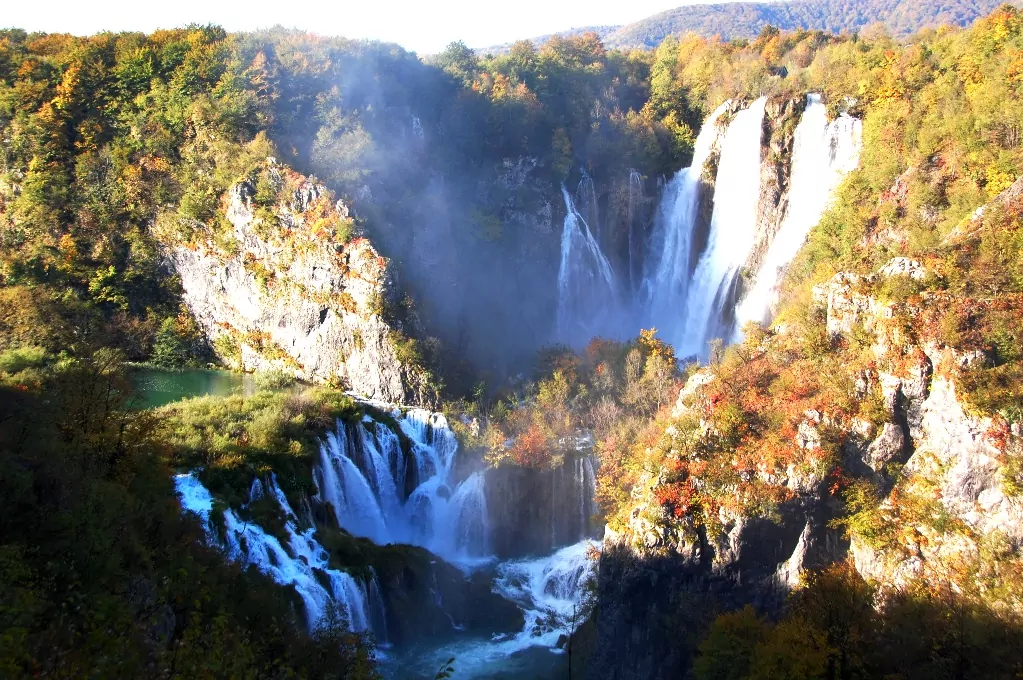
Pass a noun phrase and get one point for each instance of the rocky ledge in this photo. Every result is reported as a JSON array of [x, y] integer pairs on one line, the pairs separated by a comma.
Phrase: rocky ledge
[[290, 286]]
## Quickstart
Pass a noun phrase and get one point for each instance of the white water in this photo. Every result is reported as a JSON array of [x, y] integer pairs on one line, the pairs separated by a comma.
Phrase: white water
[[669, 262], [362, 475], [587, 291], [732, 231], [294, 564], [549, 590], [823, 154]]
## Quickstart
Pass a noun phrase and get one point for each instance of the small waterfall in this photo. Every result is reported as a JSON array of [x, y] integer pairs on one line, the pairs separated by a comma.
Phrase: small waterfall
[[572, 501], [823, 153], [669, 264], [549, 591], [344, 486], [732, 232], [376, 609], [588, 491], [296, 564], [586, 205], [587, 291], [362, 475]]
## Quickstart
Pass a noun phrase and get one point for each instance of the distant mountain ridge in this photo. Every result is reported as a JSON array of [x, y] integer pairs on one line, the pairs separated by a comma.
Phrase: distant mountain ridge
[[747, 19]]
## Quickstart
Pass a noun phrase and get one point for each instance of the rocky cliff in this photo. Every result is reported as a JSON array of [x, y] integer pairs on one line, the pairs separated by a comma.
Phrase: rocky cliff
[[286, 284], [780, 120], [939, 502], [536, 511]]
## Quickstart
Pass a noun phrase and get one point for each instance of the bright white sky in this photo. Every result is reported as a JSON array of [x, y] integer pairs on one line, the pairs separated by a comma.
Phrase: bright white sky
[[425, 26]]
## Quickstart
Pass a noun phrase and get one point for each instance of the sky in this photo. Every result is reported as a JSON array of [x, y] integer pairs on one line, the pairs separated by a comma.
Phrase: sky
[[425, 26]]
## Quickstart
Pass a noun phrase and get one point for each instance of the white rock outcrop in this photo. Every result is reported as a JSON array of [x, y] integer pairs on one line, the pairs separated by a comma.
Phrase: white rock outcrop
[[287, 293]]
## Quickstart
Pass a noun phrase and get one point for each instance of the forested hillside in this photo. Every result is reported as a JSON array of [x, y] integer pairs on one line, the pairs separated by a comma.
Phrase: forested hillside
[[105, 136]]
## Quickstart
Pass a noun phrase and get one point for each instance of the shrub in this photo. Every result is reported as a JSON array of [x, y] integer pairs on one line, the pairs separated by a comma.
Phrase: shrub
[[273, 379]]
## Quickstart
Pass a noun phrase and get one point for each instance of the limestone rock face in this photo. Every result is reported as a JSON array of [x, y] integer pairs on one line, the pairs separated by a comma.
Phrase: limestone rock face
[[780, 119], [942, 444], [287, 289], [922, 438]]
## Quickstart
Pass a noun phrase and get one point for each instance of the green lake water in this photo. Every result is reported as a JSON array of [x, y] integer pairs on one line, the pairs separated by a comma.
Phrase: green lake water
[[155, 388]]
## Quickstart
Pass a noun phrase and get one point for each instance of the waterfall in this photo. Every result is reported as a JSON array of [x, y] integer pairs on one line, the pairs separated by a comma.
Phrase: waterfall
[[669, 263], [732, 232], [362, 475], [345, 486], [377, 611], [587, 291], [586, 204], [636, 200], [822, 155], [549, 591], [295, 564]]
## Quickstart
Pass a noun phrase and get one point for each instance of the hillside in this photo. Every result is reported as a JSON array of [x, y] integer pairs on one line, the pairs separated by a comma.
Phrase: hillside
[[748, 19]]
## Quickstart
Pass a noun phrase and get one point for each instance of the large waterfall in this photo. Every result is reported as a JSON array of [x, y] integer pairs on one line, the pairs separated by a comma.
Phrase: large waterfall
[[732, 231], [588, 295], [823, 153], [364, 475], [669, 264], [691, 265]]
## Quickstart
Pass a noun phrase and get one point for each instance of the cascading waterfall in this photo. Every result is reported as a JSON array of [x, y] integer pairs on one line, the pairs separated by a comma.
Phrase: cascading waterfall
[[376, 610], [548, 590], [362, 475], [666, 280], [823, 154], [587, 291], [295, 564], [732, 232], [392, 480]]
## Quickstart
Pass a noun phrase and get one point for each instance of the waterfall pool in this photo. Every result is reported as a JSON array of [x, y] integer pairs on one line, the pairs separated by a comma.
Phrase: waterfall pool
[[158, 387], [549, 591]]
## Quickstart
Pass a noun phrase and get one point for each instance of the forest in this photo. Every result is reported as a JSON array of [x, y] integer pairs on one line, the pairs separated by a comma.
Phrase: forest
[[116, 147]]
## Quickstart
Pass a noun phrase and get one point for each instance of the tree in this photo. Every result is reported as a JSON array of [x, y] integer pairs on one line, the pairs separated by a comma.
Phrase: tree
[[459, 61], [728, 650]]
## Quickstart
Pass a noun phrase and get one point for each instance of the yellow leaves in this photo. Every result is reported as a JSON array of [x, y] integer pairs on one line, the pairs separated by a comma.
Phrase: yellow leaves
[[156, 164], [657, 347], [67, 88], [680, 130], [998, 180], [88, 136], [1014, 71], [68, 249]]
